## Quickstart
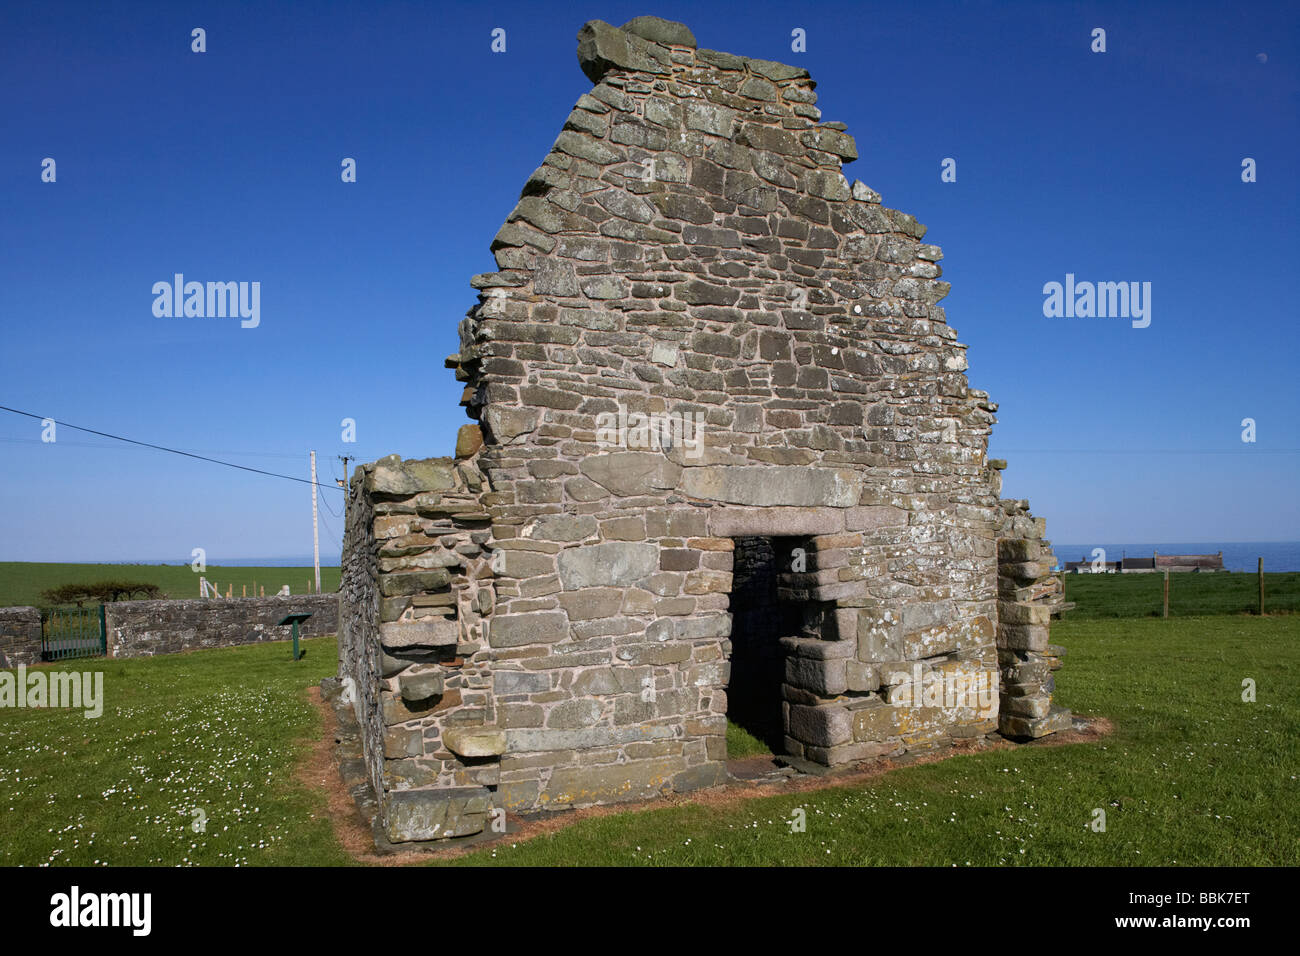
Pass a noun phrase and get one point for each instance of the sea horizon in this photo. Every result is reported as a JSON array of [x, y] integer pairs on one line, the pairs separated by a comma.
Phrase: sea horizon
[[1237, 555], [326, 561]]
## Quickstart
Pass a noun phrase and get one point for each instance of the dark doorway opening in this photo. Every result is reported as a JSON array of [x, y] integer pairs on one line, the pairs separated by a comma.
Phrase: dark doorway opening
[[758, 621]]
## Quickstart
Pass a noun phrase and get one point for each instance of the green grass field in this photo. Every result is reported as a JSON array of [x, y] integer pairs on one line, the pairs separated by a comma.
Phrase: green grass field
[[1191, 774], [211, 737], [741, 743], [22, 582], [1190, 593]]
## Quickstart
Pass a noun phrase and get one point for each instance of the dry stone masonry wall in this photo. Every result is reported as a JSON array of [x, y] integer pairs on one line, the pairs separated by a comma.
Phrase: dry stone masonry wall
[[416, 589], [1028, 593], [709, 369], [146, 628], [20, 636]]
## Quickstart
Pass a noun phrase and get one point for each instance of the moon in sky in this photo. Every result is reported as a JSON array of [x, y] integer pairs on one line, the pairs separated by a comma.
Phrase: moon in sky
[[1262, 57]]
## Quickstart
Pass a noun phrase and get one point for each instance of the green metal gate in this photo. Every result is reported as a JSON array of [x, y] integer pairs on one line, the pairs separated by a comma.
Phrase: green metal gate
[[73, 632]]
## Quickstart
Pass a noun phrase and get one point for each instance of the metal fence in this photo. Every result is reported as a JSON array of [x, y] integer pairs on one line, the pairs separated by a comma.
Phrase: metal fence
[[71, 632]]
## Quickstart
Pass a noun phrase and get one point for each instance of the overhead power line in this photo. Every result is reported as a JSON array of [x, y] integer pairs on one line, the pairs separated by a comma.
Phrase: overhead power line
[[100, 444], [1147, 451], [174, 451]]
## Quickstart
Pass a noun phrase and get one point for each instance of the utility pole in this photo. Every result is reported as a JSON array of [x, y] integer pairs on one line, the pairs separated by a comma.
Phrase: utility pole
[[343, 483], [315, 532]]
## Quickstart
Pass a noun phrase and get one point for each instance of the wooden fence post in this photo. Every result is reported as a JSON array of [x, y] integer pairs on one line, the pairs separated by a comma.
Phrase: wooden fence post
[[1166, 614], [1261, 586]]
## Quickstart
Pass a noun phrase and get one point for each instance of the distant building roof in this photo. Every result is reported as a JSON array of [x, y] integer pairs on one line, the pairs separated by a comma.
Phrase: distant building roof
[[1209, 561], [1086, 565]]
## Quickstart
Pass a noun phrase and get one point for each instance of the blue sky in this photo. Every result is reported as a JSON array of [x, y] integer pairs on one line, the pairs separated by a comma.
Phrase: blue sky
[[1115, 166]]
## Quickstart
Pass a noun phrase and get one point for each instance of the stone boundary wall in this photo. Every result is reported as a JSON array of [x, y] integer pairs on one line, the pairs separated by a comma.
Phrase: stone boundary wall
[[20, 636], [146, 628]]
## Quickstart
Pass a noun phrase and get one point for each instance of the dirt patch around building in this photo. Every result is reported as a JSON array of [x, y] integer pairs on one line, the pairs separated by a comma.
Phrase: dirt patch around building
[[752, 778], [320, 772]]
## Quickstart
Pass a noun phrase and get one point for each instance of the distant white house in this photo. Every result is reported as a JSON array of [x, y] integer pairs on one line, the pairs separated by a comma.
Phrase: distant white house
[[1157, 562]]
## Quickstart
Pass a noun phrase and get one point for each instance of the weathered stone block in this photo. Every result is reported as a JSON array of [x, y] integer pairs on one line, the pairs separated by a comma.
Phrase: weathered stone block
[[1021, 613], [825, 678], [603, 47], [474, 741], [946, 638], [1019, 550], [823, 726], [1023, 637], [1011, 725], [538, 627], [632, 474], [711, 774], [411, 815], [609, 564], [592, 603], [879, 637], [736, 522], [411, 773], [507, 425], [529, 740], [393, 476], [420, 683], [1036, 706], [773, 485], [469, 439], [816, 649], [606, 681], [402, 742], [634, 780], [424, 632], [526, 564], [860, 677], [413, 582], [511, 683], [575, 714], [565, 528]]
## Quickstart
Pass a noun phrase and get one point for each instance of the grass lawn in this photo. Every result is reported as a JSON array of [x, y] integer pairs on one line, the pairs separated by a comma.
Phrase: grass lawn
[[1191, 774], [1190, 594], [741, 743], [217, 731], [21, 582]]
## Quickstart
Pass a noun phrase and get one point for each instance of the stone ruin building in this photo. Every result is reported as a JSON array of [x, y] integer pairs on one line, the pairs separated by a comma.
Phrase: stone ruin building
[[724, 459]]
